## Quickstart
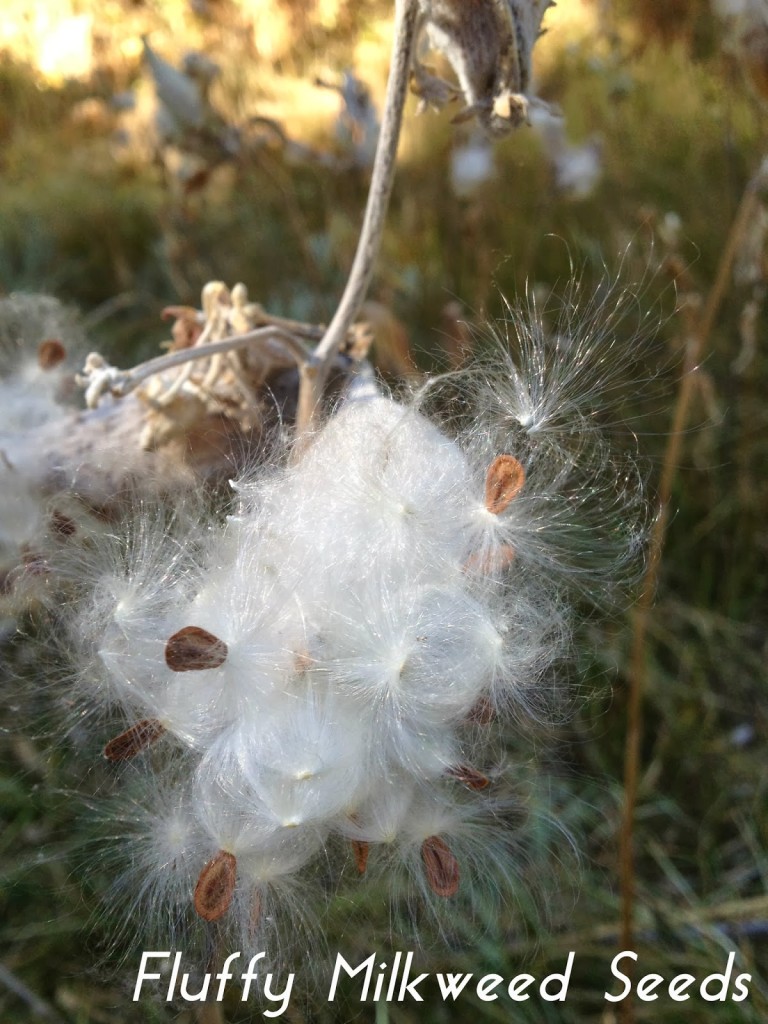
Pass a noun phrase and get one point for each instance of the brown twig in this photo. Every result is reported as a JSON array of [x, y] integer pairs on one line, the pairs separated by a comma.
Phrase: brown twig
[[314, 375], [696, 345], [100, 377]]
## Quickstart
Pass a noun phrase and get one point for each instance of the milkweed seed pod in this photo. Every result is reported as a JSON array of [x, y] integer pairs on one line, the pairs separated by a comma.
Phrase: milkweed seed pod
[[312, 692], [747, 23], [488, 43]]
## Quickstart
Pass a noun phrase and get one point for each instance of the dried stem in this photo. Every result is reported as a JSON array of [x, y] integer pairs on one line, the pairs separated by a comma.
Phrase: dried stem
[[316, 373], [696, 344], [102, 377]]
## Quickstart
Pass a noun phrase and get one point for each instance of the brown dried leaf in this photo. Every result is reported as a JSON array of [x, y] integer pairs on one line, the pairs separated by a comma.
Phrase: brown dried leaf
[[193, 649], [503, 483], [131, 742], [441, 867], [216, 886], [361, 849]]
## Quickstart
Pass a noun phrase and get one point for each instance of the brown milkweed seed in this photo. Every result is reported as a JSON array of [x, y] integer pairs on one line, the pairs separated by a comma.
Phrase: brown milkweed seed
[[193, 649], [361, 849], [302, 663], [62, 525], [441, 867], [131, 742], [470, 777], [216, 886], [491, 561], [256, 909], [503, 482], [482, 712], [50, 353]]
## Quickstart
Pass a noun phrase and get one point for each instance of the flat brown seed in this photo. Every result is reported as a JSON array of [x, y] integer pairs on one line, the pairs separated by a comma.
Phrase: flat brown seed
[[469, 776], [441, 866], [503, 482], [131, 742], [62, 525], [482, 712], [491, 561], [50, 353], [302, 663], [193, 649], [216, 886], [361, 849]]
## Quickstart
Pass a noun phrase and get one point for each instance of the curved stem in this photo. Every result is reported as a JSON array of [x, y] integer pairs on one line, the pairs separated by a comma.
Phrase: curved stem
[[122, 382], [369, 243]]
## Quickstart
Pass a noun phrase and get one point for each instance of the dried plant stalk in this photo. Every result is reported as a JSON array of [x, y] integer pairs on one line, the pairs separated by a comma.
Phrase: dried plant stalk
[[695, 350], [313, 377]]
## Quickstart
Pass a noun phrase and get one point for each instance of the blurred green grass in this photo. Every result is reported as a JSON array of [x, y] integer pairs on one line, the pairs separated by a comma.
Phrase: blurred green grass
[[680, 133]]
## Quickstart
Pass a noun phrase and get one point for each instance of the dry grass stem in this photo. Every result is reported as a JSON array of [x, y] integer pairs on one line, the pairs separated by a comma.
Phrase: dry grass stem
[[696, 345]]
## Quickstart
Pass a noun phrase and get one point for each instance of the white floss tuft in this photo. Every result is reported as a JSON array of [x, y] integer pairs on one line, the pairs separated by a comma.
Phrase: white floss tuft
[[328, 670]]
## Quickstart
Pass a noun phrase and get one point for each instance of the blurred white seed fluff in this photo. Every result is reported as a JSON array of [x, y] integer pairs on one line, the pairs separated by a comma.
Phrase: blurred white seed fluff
[[326, 671], [36, 335]]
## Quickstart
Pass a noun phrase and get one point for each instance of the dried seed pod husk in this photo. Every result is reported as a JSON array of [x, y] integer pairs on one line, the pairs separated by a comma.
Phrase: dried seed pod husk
[[503, 482], [216, 886], [361, 849], [441, 867], [193, 649], [131, 742], [469, 776]]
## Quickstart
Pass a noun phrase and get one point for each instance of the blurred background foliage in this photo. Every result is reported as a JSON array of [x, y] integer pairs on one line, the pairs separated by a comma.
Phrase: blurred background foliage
[[103, 210]]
